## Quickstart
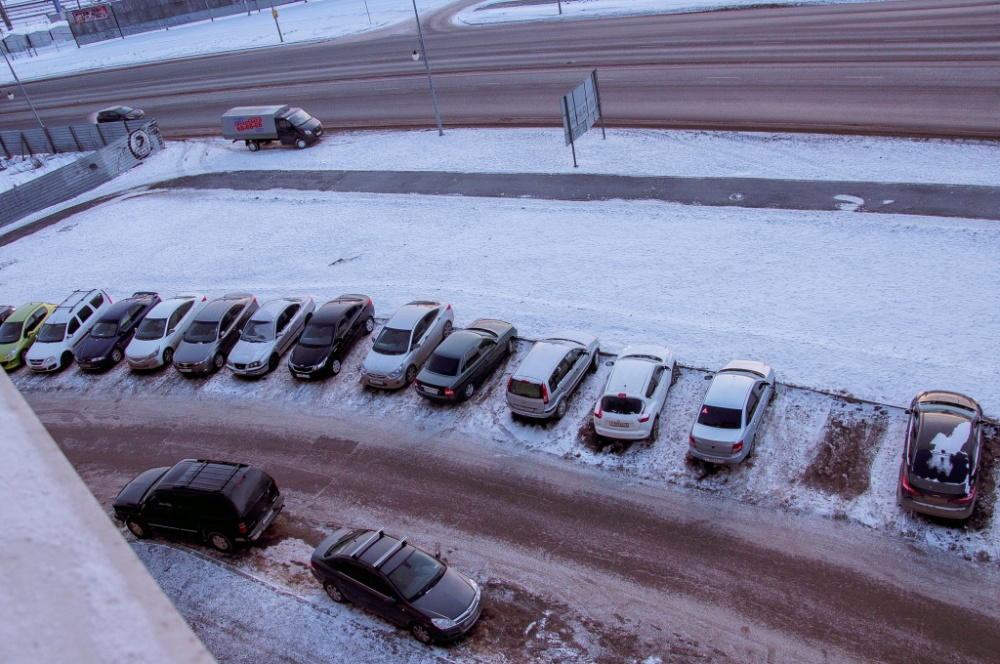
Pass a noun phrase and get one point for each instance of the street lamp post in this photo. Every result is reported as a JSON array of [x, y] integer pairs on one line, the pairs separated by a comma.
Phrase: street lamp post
[[18, 81], [427, 64]]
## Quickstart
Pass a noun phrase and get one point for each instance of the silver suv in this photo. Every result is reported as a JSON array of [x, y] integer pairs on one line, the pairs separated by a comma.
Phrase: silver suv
[[553, 368]]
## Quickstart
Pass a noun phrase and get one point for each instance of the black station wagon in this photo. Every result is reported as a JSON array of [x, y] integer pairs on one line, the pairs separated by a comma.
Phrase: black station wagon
[[218, 502]]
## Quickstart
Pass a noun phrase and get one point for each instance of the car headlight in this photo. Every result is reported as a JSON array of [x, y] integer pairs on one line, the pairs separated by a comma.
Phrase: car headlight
[[444, 623], [308, 132], [254, 364], [10, 355], [51, 359], [99, 359], [397, 372]]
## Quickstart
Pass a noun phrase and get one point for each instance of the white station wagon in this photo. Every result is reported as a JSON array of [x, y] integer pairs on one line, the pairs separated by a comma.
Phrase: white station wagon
[[161, 330], [63, 331], [629, 407]]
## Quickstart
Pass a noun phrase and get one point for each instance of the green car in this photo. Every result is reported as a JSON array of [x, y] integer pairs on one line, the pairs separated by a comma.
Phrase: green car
[[18, 332]]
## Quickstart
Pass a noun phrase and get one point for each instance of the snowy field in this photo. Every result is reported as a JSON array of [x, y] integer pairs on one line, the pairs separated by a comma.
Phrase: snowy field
[[321, 20]]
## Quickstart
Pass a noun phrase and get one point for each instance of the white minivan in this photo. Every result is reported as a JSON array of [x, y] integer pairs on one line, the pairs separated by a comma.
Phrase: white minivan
[[161, 330], [62, 332]]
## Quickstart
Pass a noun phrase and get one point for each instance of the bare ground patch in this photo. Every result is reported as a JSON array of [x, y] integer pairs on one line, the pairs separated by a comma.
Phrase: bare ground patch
[[843, 461]]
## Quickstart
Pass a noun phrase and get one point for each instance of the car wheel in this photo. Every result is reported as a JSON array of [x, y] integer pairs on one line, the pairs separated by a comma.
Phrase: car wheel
[[253, 146], [221, 542], [301, 144], [23, 358], [168, 356], [421, 633], [448, 327], [65, 360], [116, 355], [469, 390], [510, 347], [272, 362], [334, 593], [137, 528], [654, 432], [369, 325], [218, 361], [411, 374], [561, 409], [335, 366], [596, 361]]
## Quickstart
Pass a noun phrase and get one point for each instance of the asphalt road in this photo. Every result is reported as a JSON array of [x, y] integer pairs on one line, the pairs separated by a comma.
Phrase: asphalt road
[[678, 568], [921, 68]]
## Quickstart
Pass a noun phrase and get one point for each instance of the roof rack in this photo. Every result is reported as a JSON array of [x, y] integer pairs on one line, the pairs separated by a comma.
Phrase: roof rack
[[390, 553], [364, 546], [211, 476], [75, 298]]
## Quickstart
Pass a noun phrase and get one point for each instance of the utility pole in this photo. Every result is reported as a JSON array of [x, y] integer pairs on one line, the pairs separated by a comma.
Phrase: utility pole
[[4, 51], [427, 64]]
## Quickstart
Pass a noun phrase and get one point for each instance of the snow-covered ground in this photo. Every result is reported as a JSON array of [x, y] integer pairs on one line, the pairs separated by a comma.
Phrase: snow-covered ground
[[18, 170]]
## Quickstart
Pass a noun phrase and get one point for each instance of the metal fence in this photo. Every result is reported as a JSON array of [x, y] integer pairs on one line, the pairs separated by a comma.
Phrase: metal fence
[[117, 147]]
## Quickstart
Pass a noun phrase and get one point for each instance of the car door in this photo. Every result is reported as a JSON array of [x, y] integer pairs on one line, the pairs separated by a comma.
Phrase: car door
[[284, 329], [422, 341], [129, 321], [175, 319], [33, 321], [659, 383], [754, 409], [166, 510], [229, 329], [353, 328], [369, 590], [474, 364], [578, 361]]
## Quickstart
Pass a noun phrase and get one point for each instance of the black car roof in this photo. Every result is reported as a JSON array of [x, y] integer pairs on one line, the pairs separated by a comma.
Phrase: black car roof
[[113, 313], [332, 312], [203, 475], [216, 309]]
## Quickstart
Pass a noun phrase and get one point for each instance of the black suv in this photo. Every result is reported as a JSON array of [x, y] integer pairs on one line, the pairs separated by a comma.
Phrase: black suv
[[104, 346], [330, 335], [398, 581], [217, 501]]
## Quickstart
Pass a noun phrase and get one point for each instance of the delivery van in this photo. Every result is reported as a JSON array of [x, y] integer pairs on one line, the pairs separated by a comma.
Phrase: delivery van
[[257, 125]]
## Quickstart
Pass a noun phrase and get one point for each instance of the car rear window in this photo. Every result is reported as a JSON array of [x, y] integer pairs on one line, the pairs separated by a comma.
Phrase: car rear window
[[720, 418], [943, 468], [525, 388], [621, 405], [249, 489], [442, 365]]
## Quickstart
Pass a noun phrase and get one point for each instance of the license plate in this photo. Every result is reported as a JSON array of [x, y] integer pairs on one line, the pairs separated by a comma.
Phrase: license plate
[[373, 381], [619, 424], [301, 375], [432, 390]]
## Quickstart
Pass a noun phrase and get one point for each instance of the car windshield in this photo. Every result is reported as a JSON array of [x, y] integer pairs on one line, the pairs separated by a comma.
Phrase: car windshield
[[621, 405], [51, 333], [720, 418], [257, 331], [415, 574], [443, 365], [524, 388], [104, 329], [298, 118], [151, 329], [11, 332], [392, 341], [318, 334], [202, 332]]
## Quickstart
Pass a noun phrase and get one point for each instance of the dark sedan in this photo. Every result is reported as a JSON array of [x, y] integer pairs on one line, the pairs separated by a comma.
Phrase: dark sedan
[[331, 333], [941, 459], [464, 359], [119, 114], [213, 333], [105, 346], [397, 581]]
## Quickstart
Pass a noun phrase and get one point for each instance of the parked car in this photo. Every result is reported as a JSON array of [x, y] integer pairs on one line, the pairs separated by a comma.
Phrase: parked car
[[268, 334], [219, 502], [331, 333], [405, 342], [160, 332], [5, 311], [66, 328], [629, 407], [119, 114], [18, 332], [726, 425], [105, 346], [939, 475], [213, 333], [399, 582], [464, 359], [550, 372]]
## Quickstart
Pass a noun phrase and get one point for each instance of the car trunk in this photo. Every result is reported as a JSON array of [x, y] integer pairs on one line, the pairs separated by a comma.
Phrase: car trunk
[[525, 395]]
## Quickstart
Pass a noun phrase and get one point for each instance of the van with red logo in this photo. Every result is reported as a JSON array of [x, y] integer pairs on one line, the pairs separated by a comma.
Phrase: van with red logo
[[258, 125]]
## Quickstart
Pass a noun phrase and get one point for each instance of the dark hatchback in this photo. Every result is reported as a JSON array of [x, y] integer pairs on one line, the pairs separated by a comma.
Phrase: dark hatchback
[[399, 582], [119, 114], [218, 502], [104, 346], [464, 359], [939, 475], [213, 333], [329, 336]]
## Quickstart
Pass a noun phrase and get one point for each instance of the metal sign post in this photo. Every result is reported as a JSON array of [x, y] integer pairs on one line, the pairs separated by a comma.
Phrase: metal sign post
[[580, 109]]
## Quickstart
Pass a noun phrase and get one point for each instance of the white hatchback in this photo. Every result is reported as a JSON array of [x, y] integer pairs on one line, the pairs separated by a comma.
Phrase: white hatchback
[[629, 407], [161, 330]]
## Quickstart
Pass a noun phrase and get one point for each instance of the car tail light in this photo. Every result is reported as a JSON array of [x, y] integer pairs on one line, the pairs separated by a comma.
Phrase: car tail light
[[369, 302], [545, 393], [622, 395], [312, 565], [644, 418], [448, 392], [204, 299], [509, 383], [243, 528], [906, 485], [449, 308], [598, 412], [691, 440], [965, 500], [737, 447]]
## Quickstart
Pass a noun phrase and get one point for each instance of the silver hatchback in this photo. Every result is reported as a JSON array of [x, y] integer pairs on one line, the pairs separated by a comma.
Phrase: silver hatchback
[[551, 371]]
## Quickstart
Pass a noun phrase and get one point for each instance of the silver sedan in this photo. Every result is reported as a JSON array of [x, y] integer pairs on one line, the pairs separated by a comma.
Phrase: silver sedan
[[726, 424], [405, 342], [268, 334]]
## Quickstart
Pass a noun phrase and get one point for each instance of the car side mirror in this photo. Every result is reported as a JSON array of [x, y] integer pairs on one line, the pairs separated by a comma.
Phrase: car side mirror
[[171, 330], [415, 346], [908, 411]]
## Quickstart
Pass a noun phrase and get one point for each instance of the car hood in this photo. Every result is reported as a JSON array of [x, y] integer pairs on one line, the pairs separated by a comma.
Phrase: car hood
[[379, 363], [91, 347], [245, 353], [188, 352], [134, 490], [450, 597], [142, 348], [716, 434], [308, 356], [40, 351]]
